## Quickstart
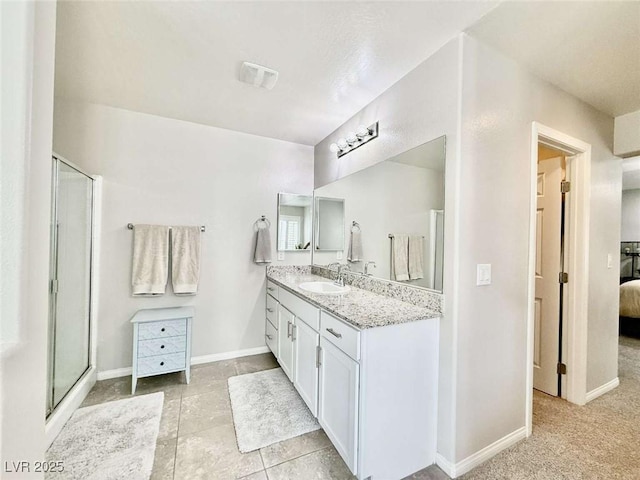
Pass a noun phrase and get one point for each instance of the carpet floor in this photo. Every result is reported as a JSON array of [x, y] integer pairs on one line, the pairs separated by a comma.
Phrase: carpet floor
[[597, 441]]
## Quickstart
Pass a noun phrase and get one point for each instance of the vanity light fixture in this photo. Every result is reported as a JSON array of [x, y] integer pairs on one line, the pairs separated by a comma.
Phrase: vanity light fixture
[[354, 140]]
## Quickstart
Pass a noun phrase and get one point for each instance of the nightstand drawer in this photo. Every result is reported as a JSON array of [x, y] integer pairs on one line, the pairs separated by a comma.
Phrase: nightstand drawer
[[162, 346], [161, 329], [161, 363]]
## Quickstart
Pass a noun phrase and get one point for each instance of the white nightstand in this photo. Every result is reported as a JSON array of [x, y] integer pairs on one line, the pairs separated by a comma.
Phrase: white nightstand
[[161, 342]]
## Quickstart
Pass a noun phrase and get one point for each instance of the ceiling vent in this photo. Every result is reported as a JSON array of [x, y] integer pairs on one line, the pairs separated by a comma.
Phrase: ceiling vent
[[258, 76]]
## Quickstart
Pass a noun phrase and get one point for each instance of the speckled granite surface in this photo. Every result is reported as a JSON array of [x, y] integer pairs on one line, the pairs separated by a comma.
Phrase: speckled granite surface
[[361, 308]]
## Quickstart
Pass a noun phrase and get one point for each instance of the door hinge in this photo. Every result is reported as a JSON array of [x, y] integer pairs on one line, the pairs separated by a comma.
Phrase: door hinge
[[54, 286], [561, 369], [563, 277], [318, 356], [565, 187]]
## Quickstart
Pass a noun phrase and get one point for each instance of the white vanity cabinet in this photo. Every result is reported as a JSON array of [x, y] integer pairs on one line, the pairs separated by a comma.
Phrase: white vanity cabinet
[[373, 390], [271, 314]]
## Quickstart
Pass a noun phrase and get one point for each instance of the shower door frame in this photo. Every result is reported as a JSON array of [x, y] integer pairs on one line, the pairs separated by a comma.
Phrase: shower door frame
[[88, 377]]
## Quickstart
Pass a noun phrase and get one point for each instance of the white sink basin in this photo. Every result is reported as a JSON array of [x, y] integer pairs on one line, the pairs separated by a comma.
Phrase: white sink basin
[[324, 288]]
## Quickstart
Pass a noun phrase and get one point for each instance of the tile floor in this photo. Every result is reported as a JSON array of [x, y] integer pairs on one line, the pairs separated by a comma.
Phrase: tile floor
[[197, 439]]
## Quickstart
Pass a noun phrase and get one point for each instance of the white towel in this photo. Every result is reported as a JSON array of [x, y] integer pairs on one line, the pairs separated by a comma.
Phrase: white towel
[[355, 247], [262, 253], [399, 256], [150, 259], [185, 260], [415, 257]]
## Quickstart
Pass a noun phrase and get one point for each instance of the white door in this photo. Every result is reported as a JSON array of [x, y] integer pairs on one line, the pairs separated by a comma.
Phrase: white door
[[286, 321], [305, 344], [548, 268], [338, 407]]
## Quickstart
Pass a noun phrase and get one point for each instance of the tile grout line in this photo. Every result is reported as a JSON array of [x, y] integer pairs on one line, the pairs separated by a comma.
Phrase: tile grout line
[[300, 456]]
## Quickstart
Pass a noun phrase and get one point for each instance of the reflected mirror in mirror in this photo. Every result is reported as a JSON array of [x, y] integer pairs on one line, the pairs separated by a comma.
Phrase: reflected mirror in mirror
[[329, 232], [398, 206], [294, 222]]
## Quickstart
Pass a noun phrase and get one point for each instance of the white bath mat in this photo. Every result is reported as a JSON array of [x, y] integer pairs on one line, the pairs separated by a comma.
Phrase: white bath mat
[[267, 409], [110, 441]]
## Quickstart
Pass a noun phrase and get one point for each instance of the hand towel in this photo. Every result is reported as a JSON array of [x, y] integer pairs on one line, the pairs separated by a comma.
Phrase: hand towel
[[399, 255], [262, 253], [150, 259], [185, 260], [415, 257], [355, 247]]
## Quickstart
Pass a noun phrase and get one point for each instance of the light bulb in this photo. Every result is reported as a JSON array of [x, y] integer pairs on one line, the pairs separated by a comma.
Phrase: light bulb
[[362, 131], [351, 138], [334, 147], [342, 144]]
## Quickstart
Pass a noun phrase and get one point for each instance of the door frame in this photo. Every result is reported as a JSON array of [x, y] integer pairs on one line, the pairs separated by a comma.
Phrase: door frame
[[576, 294]]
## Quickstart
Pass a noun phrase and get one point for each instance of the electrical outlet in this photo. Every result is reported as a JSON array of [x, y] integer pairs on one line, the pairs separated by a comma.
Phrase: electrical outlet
[[280, 256], [483, 274], [339, 255]]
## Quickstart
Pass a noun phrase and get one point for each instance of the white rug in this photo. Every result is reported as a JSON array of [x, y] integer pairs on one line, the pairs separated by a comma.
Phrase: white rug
[[110, 441], [267, 409]]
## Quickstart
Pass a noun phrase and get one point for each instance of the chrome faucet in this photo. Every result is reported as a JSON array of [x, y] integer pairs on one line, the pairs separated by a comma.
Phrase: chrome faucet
[[366, 267], [340, 280]]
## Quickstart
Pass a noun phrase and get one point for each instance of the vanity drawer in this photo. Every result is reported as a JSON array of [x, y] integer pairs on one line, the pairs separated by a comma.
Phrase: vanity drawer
[[272, 310], [161, 364], [161, 329], [272, 289], [301, 309], [271, 338], [162, 346], [341, 335]]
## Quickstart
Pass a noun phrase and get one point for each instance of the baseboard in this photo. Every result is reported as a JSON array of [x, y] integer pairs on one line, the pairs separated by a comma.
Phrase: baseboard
[[215, 357], [481, 456], [602, 389]]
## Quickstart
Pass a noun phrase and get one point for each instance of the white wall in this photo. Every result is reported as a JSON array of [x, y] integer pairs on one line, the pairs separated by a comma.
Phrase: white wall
[[421, 106], [28, 39], [163, 171], [630, 227], [627, 135], [388, 197], [500, 101]]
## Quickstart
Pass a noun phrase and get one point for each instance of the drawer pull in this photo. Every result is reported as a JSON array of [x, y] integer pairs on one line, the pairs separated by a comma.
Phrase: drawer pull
[[269, 337], [271, 289], [161, 346], [162, 329], [270, 310], [334, 333], [161, 363], [289, 325]]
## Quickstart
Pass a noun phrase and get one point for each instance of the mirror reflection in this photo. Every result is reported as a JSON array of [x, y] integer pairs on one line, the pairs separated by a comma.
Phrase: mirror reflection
[[329, 232], [294, 222], [390, 232]]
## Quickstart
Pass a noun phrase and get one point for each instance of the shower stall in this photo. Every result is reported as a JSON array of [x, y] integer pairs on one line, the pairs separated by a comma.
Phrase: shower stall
[[71, 354]]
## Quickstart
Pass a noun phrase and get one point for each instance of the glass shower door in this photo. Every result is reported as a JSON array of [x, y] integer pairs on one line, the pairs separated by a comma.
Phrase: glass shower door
[[69, 355]]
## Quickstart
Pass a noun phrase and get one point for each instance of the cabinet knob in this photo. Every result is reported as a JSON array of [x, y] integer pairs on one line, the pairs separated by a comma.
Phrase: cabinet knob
[[161, 346], [162, 329], [161, 363], [269, 336]]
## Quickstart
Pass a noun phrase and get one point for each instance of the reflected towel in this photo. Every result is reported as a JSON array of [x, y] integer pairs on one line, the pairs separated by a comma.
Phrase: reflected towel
[[185, 260], [262, 253], [355, 247], [399, 257], [415, 257], [150, 267]]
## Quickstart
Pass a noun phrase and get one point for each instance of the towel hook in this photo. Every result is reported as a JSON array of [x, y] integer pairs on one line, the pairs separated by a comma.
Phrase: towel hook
[[355, 224]]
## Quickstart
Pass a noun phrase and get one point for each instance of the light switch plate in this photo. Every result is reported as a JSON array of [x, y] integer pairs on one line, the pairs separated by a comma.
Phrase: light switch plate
[[339, 255], [483, 274], [280, 255]]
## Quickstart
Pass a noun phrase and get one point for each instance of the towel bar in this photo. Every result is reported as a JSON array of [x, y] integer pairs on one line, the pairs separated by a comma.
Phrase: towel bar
[[131, 226]]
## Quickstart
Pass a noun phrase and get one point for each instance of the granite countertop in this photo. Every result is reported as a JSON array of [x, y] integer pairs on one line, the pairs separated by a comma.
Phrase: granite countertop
[[360, 308]]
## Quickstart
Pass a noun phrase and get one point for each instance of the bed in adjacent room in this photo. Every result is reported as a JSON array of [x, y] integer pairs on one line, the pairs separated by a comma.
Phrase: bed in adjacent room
[[630, 308]]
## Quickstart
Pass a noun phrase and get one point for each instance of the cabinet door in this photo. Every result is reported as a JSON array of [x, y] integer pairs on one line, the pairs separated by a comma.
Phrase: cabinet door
[[338, 407], [286, 321], [305, 346]]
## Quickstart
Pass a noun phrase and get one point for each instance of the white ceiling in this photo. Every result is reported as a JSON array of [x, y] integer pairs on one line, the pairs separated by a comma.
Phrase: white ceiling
[[181, 59], [589, 49]]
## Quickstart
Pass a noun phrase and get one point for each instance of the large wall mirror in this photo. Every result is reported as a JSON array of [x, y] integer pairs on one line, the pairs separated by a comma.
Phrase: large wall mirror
[[295, 222], [398, 209]]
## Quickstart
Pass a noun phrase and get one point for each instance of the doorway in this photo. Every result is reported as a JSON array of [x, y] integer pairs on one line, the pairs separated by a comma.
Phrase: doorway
[[563, 343]]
